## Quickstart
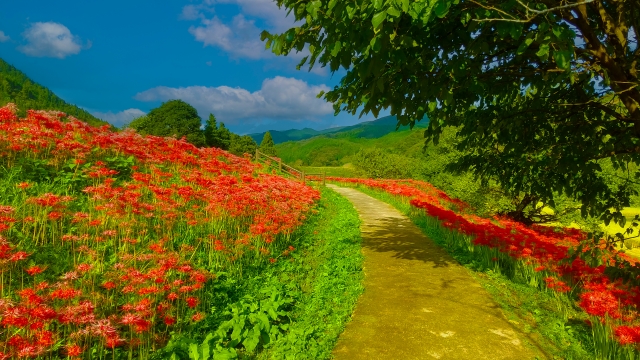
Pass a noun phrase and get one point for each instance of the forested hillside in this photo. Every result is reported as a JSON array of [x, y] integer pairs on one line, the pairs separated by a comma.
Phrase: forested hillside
[[335, 150], [17, 88], [367, 129]]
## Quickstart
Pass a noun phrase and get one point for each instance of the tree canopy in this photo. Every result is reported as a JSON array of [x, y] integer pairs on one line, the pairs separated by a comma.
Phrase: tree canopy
[[267, 146], [240, 145], [172, 118], [215, 136], [541, 91]]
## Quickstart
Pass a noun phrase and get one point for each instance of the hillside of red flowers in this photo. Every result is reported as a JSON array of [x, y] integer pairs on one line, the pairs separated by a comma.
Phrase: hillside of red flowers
[[112, 239], [543, 248]]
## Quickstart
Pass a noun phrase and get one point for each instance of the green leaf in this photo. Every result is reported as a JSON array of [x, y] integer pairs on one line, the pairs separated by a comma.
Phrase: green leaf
[[336, 48], [393, 12], [524, 46], [377, 4], [563, 59], [378, 19], [442, 8], [193, 352], [376, 44], [405, 5], [543, 52]]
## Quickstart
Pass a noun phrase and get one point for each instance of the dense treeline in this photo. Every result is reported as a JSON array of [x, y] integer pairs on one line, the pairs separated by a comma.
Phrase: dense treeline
[[17, 88], [177, 118]]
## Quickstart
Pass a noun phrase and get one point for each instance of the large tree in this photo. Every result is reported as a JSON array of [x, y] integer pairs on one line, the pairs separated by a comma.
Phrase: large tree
[[541, 91], [172, 118]]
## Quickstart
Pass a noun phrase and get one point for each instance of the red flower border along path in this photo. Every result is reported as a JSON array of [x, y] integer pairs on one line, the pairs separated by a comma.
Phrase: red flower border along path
[[541, 247]]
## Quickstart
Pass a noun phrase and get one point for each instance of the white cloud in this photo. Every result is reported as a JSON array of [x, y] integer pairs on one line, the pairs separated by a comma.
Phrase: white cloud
[[190, 12], [241, 38], [50, 39], [280, 98], [120, 118], [267, 10], [3, 37]]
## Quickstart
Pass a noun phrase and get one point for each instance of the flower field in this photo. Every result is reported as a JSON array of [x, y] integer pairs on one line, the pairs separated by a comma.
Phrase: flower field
[[110, 241], [542, 252]]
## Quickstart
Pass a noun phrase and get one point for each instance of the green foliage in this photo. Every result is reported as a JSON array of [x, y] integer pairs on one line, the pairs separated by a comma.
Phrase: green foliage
[[267, 146], [367, 129], [17, 88], [533, 87], [376, 164], [293, 309], [173, 118], [253, 324], [240, 145], [337, 151], [215, 136]]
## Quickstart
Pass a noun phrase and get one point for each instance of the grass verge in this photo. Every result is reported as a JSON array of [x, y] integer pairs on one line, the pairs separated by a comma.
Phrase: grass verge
[[293, 309], [550, 320]]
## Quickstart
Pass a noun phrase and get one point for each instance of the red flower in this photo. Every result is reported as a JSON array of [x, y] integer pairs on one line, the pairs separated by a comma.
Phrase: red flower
[[35, 270], [168, 320], [23, 185], [73, 350], [192, 302], [197, 317]]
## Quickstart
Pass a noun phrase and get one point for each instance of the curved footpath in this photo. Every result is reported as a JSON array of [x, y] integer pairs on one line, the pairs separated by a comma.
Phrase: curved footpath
[[418, 302]]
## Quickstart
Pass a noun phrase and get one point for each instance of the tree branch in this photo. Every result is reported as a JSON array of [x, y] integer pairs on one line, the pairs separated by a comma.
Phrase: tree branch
[[528, 10]]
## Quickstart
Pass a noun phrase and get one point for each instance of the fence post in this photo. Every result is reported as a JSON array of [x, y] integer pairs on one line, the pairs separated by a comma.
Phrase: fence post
[[257, 154], [280, 164], [324, 178]]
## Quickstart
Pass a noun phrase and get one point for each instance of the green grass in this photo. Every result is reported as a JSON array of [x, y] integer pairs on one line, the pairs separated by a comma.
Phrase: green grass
[[339, 171], [315, 291], [337, 151], [550, 321], [330, 274]]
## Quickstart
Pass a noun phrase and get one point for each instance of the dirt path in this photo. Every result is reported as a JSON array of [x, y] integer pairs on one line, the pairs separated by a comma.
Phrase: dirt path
[[419, 303]]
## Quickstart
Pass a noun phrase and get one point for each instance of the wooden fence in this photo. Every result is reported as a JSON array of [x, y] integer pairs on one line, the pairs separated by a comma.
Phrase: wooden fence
[[288, 170]]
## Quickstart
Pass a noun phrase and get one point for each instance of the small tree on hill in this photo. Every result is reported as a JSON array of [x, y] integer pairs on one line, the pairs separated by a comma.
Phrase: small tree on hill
[[216, 136], [223, 135], [173, 118], [210, 130], [267, 146]]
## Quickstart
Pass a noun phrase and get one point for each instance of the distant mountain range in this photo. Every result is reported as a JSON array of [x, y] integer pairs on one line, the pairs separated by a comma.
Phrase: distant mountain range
[[367, 129], [17, 88]]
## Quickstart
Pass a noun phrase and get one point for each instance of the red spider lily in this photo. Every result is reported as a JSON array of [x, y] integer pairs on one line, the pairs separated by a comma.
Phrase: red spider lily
[[192, 302], [73, 350], [197, 317], [169, 320], [34, 270]]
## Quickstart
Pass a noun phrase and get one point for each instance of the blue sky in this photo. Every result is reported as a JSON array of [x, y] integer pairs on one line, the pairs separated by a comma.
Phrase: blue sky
[[119, 59]]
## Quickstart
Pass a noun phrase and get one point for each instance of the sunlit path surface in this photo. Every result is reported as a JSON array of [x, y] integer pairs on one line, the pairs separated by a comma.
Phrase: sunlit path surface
[[419, 303]]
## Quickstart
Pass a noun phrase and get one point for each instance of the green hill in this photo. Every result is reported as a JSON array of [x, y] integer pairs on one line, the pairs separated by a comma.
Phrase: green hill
[[17, 88], [368, 129], [337, 149]]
